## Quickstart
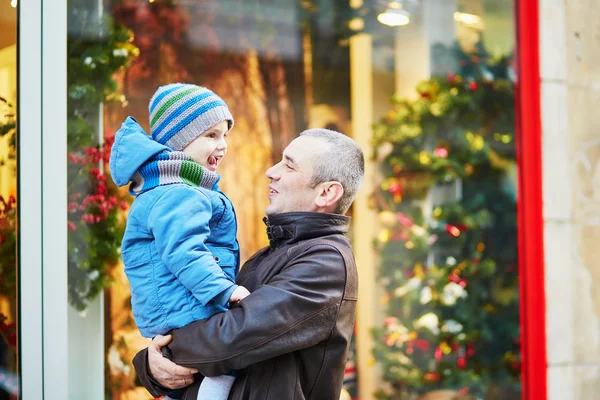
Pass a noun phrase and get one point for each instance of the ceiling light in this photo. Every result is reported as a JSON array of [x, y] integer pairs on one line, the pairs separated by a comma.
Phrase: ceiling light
[[394, 16], [467, 19], [13, 3]]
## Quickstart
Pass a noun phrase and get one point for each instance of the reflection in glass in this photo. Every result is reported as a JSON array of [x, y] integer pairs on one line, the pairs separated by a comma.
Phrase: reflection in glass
[[445, 147], [445, 195], [97, 48], [279, 67], [9, 382]]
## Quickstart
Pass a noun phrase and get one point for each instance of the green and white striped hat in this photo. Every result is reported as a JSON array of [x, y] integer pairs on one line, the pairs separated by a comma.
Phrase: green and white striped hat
[[180, 112]]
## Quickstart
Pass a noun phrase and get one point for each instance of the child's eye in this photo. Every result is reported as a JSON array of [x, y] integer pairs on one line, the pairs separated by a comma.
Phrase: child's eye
[[288, 166], [212, 135]]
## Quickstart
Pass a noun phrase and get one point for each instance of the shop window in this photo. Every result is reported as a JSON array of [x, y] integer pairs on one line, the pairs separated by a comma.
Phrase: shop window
[[442, 138], [445, 193]]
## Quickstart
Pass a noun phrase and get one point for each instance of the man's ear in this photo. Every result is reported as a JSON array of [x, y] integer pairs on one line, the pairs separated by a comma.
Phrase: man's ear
[[328, 196]]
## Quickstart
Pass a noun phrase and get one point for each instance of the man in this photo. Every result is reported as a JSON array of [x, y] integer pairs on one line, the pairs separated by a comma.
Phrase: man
[[288, 339]]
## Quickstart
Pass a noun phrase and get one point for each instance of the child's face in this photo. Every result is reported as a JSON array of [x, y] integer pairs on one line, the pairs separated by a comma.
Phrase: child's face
[[210, 147]]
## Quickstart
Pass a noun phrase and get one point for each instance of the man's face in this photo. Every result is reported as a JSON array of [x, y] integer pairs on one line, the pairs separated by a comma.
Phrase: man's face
[[290, 188]]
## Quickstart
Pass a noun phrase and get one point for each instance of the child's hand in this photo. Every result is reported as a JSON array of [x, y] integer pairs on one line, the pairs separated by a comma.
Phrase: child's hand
[[238, 294]]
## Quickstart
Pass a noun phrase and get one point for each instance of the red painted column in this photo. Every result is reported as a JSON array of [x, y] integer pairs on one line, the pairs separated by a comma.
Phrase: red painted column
[[530, 217]]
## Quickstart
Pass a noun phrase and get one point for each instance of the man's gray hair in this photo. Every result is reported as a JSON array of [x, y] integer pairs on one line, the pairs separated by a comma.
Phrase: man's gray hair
[[343, 162]]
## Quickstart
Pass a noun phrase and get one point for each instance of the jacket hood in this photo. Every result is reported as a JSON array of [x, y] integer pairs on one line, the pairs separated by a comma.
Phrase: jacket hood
[[132, 148]]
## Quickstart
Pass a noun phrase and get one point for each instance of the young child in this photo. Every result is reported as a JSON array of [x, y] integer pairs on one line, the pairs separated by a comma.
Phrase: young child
[[180, 250]]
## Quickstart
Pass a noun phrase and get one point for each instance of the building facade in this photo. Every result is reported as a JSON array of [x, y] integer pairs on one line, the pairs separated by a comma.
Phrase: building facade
[[474, 234]]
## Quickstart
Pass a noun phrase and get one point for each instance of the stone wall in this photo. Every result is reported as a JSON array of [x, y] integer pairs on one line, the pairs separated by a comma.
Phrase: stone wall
[[570, 73]]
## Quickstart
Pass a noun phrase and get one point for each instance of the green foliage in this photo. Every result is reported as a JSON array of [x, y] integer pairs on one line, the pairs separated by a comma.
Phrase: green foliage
[[8, 248], [449, 270], [8, 126], [98, 48]]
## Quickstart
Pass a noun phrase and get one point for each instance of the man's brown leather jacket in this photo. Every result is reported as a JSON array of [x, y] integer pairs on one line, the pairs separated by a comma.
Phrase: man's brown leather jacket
[[289, 338]]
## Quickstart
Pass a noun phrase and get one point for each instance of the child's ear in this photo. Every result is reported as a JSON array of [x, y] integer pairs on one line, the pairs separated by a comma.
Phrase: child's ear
[[328, 196]]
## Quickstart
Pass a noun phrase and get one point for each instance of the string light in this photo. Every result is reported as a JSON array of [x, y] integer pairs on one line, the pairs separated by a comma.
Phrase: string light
[[452, 230], [384, 236], [504, 138], [419, 271], [441, 152], [356, 24], [478, 143], [445, 348]]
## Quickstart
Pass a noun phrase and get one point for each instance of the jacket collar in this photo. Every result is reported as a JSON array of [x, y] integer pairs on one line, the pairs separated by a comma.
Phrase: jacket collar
[[292, 227]]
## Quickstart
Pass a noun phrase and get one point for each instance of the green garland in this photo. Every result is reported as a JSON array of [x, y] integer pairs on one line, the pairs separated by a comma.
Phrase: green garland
[[8, 250], [98, 47], [449, 273], [8, 127]]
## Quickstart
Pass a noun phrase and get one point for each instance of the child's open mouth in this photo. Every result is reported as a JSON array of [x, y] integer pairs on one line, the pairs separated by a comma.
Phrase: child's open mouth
[[213, 162]]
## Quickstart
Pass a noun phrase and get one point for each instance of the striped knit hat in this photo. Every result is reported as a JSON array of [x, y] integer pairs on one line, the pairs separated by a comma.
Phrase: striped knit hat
[[181, 112]]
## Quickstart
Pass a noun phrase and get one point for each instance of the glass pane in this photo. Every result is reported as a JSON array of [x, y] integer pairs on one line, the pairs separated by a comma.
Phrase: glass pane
[[279, 67], [252, 58], [9, 307], [444, 192], [98, 49], [446, 198]]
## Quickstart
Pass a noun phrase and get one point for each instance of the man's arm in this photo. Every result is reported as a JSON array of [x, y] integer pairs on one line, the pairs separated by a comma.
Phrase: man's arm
[[296, 310]]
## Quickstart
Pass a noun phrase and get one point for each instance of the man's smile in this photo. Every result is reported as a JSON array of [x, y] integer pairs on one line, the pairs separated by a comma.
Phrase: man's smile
[[272, 192]]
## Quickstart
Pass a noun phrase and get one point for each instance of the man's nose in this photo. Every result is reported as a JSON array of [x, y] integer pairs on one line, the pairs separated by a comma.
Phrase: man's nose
[[271, 172]]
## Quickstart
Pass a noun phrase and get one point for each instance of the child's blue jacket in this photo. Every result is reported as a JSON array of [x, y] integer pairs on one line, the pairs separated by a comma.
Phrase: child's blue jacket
[[180, 250]]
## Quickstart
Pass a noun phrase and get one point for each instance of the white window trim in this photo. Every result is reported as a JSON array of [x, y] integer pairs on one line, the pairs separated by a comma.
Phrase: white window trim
[[29, 161], [42, 182]]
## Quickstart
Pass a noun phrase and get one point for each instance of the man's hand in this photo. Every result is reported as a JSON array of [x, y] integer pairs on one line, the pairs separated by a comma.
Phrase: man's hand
[[167, 373], [238, 294]]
